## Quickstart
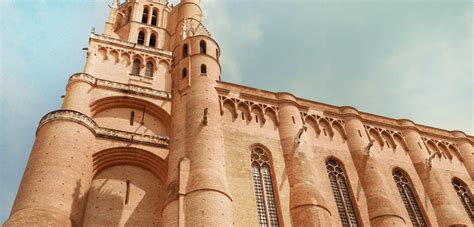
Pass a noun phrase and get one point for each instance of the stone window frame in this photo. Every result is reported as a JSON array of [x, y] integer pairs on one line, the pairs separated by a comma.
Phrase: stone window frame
[[465, 195], [343, 196], [266, 191], [409, 197]]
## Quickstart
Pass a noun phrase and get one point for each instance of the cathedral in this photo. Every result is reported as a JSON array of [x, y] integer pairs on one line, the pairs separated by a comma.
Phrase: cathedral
[[149, 134]]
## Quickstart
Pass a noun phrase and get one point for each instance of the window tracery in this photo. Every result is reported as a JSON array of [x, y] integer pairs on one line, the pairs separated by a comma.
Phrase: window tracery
[[465, 197], [341, 193], [409, 199], [263, 185]]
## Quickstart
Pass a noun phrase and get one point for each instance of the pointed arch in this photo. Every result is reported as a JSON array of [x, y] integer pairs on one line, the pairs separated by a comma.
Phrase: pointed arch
[[265, 191], [399, 139], [340, 129], [433, 148], [455, 151], [326, 126], [270, 114], [130, 156], [465, 196], [231, 107], [389, 140], [376, 136], [257, 112], [407, 193], [341, 191], [445, 151], [245, 110]]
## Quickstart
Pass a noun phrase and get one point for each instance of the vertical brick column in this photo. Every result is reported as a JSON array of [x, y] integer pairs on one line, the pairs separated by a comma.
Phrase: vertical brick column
[[435, 181], [307, 206], [57, 177], [383, 211], [77, 96], [465, 147]]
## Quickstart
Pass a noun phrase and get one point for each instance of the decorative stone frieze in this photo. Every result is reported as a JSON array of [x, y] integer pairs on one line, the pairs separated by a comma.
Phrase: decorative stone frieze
[[131, 45], [249, 106], [127, 88], [71, 115]]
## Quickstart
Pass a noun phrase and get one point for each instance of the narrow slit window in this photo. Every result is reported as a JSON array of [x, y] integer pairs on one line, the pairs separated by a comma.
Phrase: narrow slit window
[[184, 73], [294, 122], [420, 146], [203, 69], [325, 134], [145, 15], [465, 197], [341, 192], [409, 199], [132, 118], [141, 38], [243, 117], [360, 134], [154, 17], [127, 192], [256, 118], [264, 188]]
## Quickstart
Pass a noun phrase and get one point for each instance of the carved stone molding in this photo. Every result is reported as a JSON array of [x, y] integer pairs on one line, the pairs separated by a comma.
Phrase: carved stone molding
[[131, 45], [250, 107], [71, 115], [442, 148], [386, 137], [127, 88]]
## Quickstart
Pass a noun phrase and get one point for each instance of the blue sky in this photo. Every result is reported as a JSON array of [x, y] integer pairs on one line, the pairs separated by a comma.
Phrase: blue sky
[[401, 59]]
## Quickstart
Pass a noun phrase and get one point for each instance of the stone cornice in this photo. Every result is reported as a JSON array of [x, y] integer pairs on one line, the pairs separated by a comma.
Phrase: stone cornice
[[71, 115], [304, 104], [126, 88], [130, 45]]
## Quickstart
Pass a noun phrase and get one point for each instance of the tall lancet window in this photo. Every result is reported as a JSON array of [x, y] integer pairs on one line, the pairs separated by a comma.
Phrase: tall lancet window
[[409, 198], [465, 197], [341, 192], [263, 183]]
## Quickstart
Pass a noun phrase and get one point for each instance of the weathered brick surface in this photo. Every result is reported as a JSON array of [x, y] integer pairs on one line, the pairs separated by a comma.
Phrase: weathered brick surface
[[186, 150]]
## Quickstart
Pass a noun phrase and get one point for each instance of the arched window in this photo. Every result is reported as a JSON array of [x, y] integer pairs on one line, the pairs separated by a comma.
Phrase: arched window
[[136, 67], [203, 69], [409, 198], [185, 50], [264, 193], [465, 197], [145, 15], [141, 38], [341, 192], [184, 73], [152, 40], [202, 47], [154, 17], [149, 69]]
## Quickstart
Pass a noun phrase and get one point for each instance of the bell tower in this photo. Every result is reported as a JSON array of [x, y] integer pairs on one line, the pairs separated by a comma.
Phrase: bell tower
[[197, 184]]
